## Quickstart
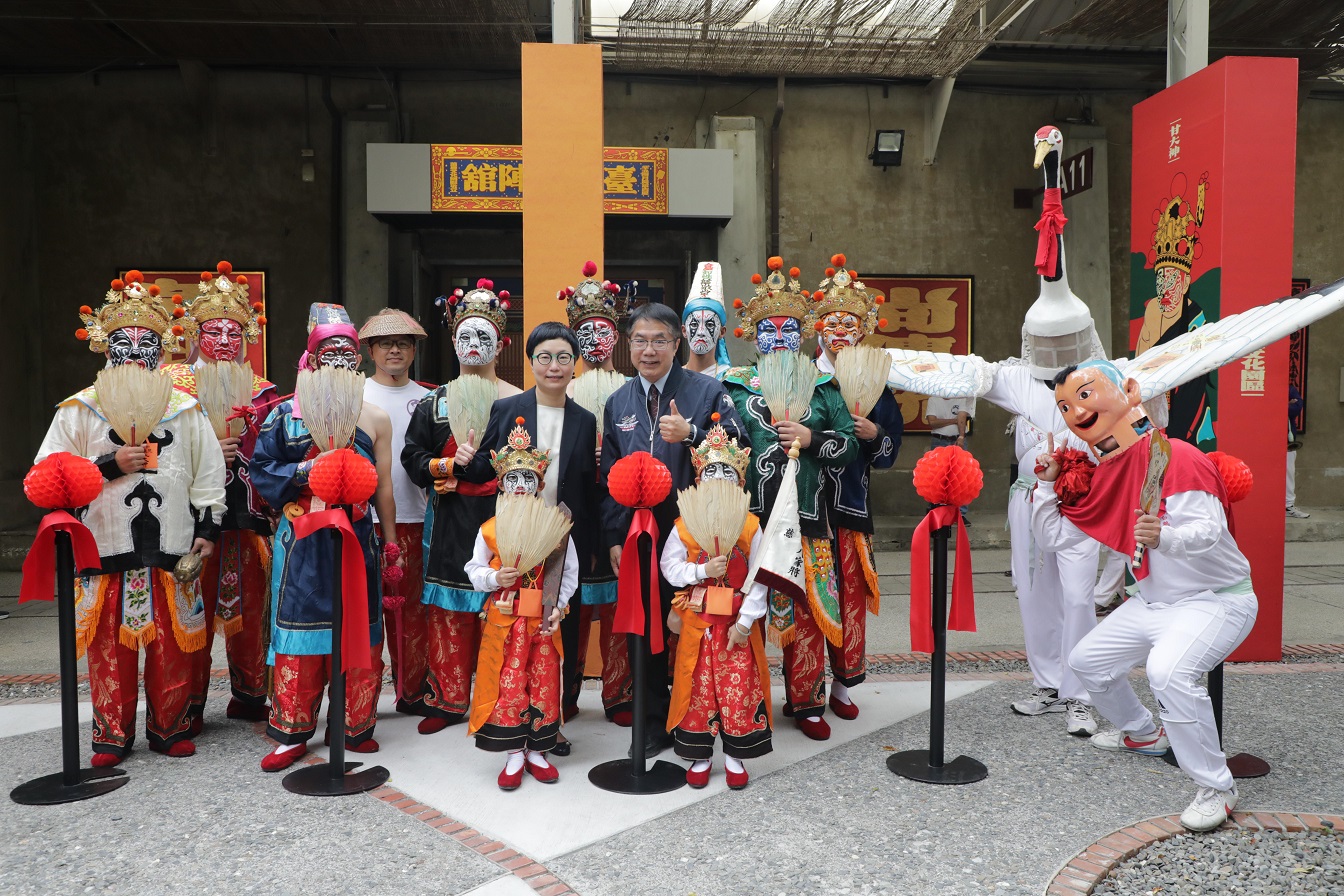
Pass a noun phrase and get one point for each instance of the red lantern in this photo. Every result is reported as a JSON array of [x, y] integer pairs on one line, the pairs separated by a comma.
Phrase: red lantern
[[949, 475], [63, 481], [1237, 478], [639, 480], [343, 477]]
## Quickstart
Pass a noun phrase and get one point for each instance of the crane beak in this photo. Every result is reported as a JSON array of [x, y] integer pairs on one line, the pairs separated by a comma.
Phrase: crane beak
[[1043, 149]]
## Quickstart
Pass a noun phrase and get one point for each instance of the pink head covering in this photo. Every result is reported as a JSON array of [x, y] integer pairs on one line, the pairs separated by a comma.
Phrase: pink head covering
[[326, 320]]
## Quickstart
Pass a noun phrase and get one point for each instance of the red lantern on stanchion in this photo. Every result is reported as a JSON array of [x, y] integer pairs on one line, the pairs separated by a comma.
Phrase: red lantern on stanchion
[[62, 483], [1237, 481], [640, 481], [340, 479], [948, 478]]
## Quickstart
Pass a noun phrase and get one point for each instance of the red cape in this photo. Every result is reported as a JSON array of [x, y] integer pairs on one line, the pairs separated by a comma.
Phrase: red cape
[[1106, 512]]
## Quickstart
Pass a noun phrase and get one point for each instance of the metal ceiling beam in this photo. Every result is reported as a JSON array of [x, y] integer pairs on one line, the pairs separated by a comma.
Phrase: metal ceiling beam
[[1187, 38], [936, 98]]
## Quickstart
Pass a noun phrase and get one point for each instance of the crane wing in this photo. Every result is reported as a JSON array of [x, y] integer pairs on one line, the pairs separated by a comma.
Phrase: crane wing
[[938, 373], [1206, 348]]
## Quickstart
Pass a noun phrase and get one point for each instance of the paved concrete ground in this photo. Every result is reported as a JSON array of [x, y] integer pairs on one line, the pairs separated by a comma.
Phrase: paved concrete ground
[[817, 818]]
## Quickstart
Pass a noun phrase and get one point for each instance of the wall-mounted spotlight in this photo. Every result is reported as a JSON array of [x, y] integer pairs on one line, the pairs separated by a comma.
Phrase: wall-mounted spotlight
[[887, 149]]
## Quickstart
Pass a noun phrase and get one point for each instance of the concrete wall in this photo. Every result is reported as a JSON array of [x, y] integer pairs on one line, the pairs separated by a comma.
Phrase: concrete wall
[[114, 170]]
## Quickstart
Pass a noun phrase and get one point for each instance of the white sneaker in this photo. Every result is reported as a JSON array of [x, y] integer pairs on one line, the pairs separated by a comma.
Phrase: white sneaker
[[1042, 700], [1120, 742], [1297, 514], [1079, 719], [1210, 808]]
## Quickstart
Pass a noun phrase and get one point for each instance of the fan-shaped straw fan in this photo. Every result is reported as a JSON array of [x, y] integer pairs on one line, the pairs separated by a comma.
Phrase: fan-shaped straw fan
[[222, 386], [714, 512], [593, 388], [330, 399], [787, 380], [527, 529], [469, 400], [133, 399], [861, 372]]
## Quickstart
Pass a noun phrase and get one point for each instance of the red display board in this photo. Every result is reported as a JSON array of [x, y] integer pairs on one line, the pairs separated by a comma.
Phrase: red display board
[[926, 314], [1212, 234]]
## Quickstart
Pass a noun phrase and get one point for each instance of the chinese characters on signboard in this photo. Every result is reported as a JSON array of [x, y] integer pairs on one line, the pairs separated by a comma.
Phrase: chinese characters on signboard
[[927, 314], [489, 178]]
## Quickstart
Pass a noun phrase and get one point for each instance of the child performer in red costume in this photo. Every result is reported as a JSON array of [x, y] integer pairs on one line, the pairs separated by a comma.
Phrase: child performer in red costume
[[1194, 604], [515, 706], [721, 684]]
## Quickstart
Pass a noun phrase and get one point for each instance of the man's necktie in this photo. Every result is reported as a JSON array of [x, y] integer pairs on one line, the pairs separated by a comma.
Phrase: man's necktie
[[653, 403]]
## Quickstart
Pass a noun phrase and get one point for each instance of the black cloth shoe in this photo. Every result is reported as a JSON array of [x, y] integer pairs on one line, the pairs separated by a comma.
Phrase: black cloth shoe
[[655, 742], [561, 748]]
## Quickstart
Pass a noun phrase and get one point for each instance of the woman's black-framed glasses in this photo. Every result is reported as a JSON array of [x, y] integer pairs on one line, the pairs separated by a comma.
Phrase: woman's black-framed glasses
[[545, 358]]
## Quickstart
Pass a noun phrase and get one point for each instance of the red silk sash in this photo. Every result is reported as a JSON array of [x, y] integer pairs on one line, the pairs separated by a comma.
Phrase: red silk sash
[[354, 584], [1050, 226], [39, 567], [961, 616], [630, 619]]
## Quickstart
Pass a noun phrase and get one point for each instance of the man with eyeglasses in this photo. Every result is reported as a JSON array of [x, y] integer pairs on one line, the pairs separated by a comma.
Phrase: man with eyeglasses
[[664, 410], [557, 424], [391, 336]]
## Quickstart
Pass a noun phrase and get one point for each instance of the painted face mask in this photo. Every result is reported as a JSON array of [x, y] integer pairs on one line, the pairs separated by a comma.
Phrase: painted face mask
[[597, 339], [519, 482], [221, 339], [134, 345], [839, 330], [778, 334], [702, 329], [1170, 286], [719, 471], [476, 342], [338, 351]]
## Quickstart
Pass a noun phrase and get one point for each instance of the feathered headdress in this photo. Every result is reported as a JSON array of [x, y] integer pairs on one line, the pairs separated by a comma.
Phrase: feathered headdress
[[775, 297], [219, 296], [590, 297], [130, 303]]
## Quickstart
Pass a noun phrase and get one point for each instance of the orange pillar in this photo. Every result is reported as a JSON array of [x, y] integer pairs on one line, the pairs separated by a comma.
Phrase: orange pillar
[[562, 174]]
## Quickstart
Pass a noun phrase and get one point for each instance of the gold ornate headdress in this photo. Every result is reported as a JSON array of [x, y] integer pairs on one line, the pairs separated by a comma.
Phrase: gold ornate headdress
[[1175, 239], [717, 447], [480, 302], [590, 297], [518, 454], [130, 303], [775, 297], [221, 297], [843, 291]]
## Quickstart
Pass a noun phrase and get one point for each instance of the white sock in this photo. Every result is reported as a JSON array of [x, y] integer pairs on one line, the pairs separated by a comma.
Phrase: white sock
[[537, 759], [286, 748], [733, 764], [515, 763], [700, 765], [840, 692], [1145, 735]]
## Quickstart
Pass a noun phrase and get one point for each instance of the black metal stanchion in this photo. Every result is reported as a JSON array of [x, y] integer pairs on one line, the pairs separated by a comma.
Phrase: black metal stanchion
[[1241, 765], [331, 778], [928, 766], [72, 783], [631, 775]]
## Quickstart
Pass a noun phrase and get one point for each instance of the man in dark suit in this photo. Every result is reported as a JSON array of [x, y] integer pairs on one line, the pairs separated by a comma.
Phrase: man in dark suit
[[558, 425], [664, 410]]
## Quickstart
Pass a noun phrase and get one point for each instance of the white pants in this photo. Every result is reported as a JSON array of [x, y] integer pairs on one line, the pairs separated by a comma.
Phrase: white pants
[[1054, 595], [1112, 579], [1178, 643], [1290, 490]]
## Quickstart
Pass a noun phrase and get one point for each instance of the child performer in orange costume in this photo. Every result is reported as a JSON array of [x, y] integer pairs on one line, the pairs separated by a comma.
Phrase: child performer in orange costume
[[516, 703], [721, 684]]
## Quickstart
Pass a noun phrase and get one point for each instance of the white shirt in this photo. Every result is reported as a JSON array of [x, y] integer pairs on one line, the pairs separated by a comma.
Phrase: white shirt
[[483, 576], [948, 408], [550, 430], [1196, 552], [681, 573], [399, 402]]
